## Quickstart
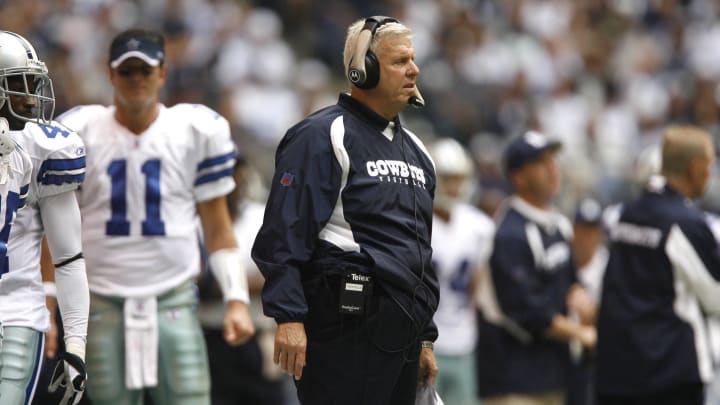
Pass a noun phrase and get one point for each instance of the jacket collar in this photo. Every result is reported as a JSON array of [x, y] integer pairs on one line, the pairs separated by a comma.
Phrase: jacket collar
[[366, 114], [549, 219], [658, 184]]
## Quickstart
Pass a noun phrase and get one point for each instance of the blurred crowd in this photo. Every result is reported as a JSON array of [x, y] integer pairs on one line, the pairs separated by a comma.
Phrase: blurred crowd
[[601, 75]]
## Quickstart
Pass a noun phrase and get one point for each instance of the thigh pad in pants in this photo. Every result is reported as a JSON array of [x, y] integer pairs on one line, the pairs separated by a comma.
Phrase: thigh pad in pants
[[183, 372], [20, 360], [106, 354]]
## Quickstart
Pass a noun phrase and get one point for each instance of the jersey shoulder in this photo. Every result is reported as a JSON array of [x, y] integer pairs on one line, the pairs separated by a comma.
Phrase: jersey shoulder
[[58, 157], [53, 140], [202, 119], [81, 117], [475, 218]]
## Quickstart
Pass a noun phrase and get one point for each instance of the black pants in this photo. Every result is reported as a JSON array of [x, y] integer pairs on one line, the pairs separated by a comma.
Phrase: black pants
[[369, 359], [236, 373], [689, 394]]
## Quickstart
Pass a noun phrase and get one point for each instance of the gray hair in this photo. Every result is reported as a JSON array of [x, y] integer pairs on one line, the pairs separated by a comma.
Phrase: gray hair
[[385, 30], [681, 144]]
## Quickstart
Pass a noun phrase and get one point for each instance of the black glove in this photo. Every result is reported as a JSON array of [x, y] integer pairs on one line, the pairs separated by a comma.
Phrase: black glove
[[70, 375]]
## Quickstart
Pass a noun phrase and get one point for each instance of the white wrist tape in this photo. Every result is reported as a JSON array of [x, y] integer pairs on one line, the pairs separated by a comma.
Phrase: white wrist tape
[[50, 288], [226, 265], [75, 346]]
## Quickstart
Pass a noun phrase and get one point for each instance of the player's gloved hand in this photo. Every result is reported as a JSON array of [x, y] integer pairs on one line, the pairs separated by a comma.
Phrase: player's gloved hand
[[69, 374]]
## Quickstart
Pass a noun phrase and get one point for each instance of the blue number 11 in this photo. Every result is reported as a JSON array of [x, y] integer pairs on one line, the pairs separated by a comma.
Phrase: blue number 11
[[118, 225]]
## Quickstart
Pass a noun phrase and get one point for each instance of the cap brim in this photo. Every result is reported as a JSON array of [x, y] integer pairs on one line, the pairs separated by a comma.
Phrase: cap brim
[[553, 146], [134, 54]]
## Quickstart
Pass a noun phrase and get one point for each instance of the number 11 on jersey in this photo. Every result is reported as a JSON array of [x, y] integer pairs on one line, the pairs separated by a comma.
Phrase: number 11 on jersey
[[118, 225]]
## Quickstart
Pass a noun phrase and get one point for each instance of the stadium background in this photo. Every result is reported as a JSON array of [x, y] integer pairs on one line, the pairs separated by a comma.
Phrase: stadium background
[[602, 75]]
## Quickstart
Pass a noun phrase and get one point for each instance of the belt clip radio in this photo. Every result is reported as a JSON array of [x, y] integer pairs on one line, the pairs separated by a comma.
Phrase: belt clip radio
[[354, 287]]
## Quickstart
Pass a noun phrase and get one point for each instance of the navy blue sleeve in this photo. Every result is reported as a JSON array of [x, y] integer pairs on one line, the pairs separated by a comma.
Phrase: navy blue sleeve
[[303, 194], [522, 296]]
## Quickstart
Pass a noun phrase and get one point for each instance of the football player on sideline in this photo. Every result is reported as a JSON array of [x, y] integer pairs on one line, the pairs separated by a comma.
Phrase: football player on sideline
[[58, 167], [151, 171], [462, 240]]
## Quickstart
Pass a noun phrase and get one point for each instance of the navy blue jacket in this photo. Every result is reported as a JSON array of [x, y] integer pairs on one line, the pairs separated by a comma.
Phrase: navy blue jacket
[[531, 270], [661, 277], [345, 196]]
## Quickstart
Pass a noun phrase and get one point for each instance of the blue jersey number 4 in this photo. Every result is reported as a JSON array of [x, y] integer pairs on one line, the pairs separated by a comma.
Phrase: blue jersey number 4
[[118, 225]]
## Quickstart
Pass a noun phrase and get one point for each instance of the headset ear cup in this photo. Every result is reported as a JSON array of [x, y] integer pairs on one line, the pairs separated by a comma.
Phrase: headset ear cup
[[372, 71]]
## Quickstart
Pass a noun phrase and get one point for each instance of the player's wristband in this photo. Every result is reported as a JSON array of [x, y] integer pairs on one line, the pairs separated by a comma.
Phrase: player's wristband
[[426, 344], [75, 346], [226, 265], [50, 288]]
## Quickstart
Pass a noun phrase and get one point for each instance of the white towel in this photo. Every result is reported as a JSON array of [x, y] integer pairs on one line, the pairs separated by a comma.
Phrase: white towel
[[427, 395], [141, 342]]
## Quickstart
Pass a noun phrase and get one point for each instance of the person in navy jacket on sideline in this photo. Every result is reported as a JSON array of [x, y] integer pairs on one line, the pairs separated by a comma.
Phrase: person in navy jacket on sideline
[[522, 352], [345, 242], [662, 279]]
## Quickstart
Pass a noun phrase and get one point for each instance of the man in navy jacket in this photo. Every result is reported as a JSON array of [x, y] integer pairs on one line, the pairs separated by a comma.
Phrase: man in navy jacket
[[523, 355], [345, 242], [662, 277]]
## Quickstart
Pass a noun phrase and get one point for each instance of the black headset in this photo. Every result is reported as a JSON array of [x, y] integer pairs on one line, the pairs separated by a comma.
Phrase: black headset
[[364, 69]]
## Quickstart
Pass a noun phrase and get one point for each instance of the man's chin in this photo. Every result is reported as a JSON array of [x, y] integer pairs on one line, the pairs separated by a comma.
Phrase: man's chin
[[138, 103], [17, 124]]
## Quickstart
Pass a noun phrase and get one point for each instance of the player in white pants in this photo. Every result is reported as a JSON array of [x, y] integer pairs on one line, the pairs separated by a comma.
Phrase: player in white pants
[[152, 172], [462, 240], [58, 165]]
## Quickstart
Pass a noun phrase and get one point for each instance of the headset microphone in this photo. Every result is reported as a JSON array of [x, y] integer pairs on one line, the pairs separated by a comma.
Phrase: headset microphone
[[416, 100]]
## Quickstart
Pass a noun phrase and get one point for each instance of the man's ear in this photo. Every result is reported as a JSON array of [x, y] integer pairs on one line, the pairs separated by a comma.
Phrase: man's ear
[[111, 74], [517, 179], [163, 70], [695, 167]]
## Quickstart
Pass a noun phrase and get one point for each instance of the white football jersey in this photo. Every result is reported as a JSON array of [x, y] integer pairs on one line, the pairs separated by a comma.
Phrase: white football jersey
[[460, 247], [22, 300], [138, 201]]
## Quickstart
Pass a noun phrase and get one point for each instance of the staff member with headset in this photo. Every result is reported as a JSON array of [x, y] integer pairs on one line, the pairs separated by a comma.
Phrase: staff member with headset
[[345, 242]]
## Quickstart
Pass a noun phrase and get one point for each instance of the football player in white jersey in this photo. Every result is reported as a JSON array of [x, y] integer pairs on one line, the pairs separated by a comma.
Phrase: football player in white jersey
[[57, 160], [462, 240], [152, 171]]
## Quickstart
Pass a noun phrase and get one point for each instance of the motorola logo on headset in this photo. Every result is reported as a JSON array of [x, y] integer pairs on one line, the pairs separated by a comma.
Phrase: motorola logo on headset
[[354, 76]]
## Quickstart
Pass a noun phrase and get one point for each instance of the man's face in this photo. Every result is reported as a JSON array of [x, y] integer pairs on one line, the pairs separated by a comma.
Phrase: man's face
[[398, 71], [703, 172], [586, 238], [22, 105], [136, 83], [451, 189], [452, 185], [540, 179]]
